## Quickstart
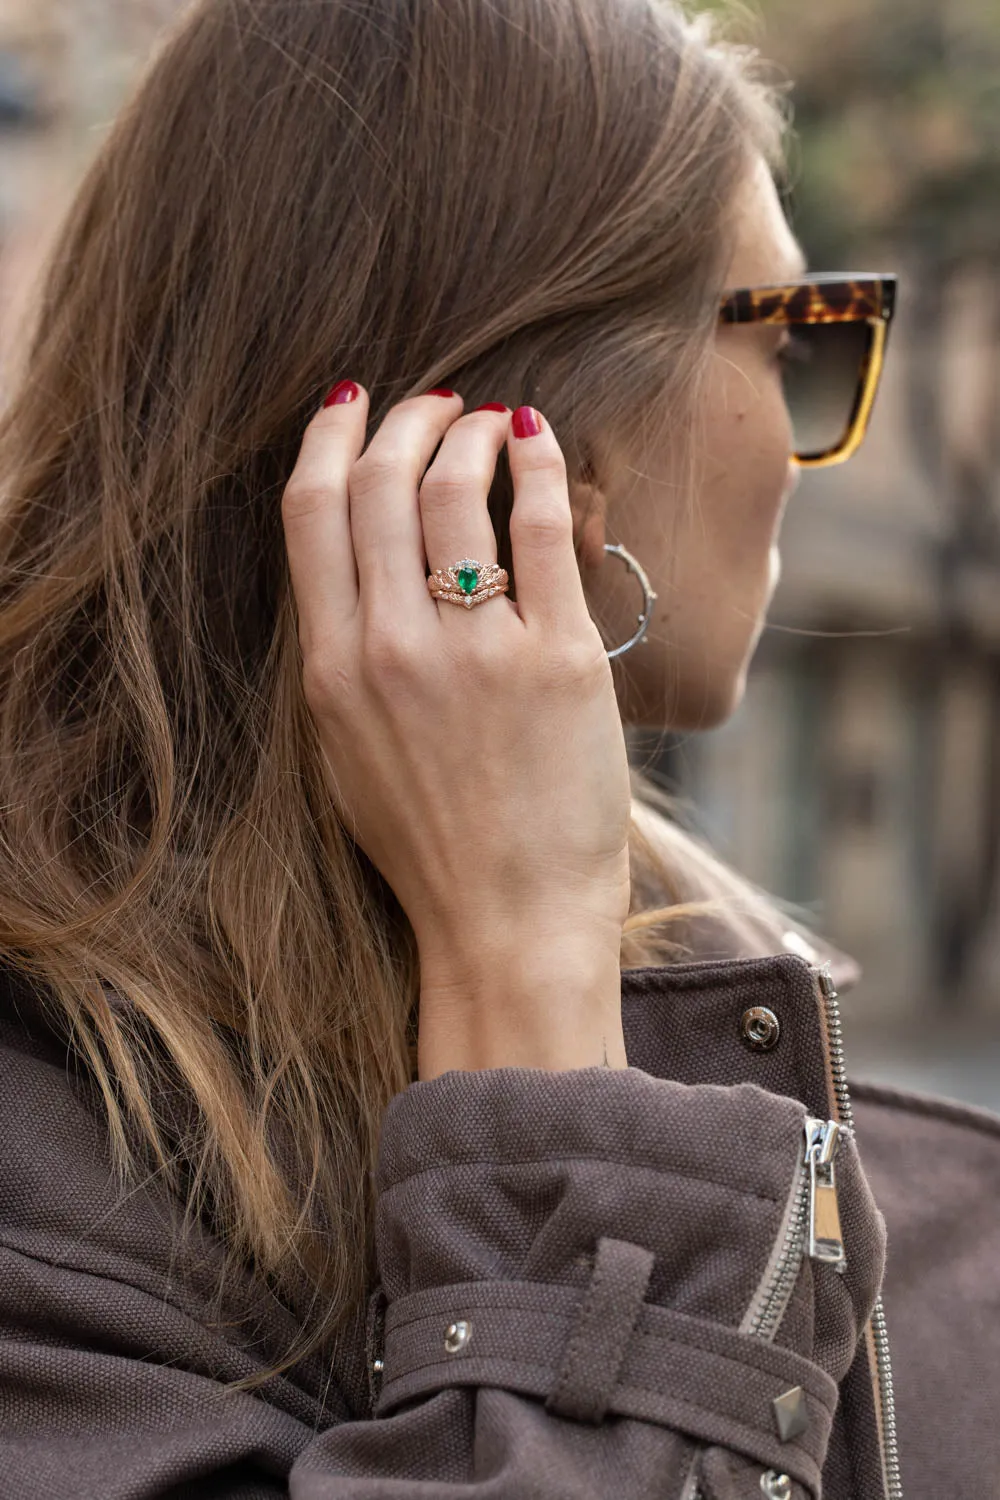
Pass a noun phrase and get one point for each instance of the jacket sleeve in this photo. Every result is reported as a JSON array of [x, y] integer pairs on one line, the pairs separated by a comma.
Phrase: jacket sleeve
[[583, 1275], [591, 1287]]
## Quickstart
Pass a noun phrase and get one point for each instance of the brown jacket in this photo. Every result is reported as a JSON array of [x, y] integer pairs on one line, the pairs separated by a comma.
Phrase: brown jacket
[[593, 1284]]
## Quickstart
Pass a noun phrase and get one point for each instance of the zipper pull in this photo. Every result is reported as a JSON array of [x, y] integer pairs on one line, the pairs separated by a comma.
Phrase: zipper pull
[[825, 1240]]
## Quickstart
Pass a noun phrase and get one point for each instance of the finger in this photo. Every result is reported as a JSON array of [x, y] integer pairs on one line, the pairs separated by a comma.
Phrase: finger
[[385, 508], [314, 513], [546, 571], [455, 491]]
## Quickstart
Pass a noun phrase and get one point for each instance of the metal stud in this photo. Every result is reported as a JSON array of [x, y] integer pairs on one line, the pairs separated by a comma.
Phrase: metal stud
[[776, 1486], [791, 1413], [457, 1335], [760, 1028]]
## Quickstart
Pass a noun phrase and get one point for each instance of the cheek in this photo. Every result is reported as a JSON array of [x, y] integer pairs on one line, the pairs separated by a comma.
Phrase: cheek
[[749, 450]]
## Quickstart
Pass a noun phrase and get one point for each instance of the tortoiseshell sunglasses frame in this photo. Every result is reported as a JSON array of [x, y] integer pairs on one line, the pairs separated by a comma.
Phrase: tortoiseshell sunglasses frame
[[862, 297]]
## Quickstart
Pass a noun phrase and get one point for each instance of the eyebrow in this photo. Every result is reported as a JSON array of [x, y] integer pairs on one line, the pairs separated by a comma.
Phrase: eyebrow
[[794, 269]]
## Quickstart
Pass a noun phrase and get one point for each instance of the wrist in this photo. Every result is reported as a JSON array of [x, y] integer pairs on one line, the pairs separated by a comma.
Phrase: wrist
[[555, 1006]]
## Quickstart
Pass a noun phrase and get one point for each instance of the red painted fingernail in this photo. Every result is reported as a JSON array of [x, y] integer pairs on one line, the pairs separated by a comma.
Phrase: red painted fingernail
[[527, 422], [439, 390], [344, 390], [492, 406]]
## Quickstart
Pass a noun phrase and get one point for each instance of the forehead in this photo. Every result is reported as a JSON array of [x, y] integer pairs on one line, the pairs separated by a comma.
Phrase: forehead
[[766, 250]]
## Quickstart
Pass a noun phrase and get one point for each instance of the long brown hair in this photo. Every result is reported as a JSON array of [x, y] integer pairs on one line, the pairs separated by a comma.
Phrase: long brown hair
[[529, 201]]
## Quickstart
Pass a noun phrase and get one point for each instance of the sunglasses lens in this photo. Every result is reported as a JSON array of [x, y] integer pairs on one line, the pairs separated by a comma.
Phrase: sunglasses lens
[[822, 365]]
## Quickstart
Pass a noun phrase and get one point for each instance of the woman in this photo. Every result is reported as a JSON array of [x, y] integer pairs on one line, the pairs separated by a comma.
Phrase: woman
[[364, 1135]]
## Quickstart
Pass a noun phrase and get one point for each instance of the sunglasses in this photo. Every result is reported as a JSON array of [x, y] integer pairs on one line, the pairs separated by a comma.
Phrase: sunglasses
[[837, 331]]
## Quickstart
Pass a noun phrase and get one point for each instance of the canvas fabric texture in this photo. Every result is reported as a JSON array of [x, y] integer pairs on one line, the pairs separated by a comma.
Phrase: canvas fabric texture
[[567, 1268]]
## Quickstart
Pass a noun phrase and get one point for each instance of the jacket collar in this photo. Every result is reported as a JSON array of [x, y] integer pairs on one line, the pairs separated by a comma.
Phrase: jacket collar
[[690, 1022]]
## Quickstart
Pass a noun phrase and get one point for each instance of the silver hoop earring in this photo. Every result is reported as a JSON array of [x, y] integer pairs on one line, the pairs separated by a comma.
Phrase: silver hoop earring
[[648, 598]]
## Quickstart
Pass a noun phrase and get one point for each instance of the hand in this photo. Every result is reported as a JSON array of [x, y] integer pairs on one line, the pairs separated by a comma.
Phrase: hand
[[477, 756]]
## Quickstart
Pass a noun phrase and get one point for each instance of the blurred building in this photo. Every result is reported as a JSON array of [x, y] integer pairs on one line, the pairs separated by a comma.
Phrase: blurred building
[[64, 68]]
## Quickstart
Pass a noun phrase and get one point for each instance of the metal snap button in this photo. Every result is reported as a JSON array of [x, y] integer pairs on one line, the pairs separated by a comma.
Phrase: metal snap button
[[760, 1027], [457, 1335], [776, 1486]]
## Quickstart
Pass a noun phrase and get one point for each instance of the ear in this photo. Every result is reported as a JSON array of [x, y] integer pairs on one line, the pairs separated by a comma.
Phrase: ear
[[588, 505]]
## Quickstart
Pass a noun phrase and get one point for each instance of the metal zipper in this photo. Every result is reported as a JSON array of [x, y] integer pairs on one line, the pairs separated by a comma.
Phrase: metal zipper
[[813, 1226], [880, 1332], [826, 1243], [813, 1229], [812, 1218]]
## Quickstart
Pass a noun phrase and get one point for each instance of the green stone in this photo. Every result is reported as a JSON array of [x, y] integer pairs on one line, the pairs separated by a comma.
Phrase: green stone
[[467, 579]]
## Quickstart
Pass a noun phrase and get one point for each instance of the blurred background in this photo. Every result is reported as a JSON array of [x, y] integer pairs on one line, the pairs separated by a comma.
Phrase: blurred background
[[861, 777]]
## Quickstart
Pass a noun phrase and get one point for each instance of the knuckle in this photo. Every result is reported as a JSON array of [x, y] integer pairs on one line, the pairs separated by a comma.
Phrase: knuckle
[[541, 526], [451, 486], [574, 663], [322, 678], [585, 657], [544, 458], [377, 468], [486, 654], [388, 656], [303, 498]]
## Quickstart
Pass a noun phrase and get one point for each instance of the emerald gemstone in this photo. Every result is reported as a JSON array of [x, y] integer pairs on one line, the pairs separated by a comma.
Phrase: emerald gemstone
[[467, 579]]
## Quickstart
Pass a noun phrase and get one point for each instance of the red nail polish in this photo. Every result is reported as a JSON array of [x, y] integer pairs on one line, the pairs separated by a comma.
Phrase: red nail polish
[[527, 422], [439, 390], [344, 390], [492, 406]]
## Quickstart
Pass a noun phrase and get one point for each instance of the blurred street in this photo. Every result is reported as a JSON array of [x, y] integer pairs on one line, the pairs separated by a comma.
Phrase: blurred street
[[950, 1062]]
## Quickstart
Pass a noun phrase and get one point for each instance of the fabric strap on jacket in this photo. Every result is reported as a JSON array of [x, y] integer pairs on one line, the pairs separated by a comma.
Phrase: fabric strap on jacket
[[652, 1363], [605, 1319]]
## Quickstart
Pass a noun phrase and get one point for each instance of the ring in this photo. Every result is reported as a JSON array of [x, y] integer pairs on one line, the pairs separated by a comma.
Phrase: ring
[[468, 582]]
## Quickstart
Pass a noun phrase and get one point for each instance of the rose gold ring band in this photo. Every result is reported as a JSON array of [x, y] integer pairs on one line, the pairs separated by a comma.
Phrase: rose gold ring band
[[468, 582]]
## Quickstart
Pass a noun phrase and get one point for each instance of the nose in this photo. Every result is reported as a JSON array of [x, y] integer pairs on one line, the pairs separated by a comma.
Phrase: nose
[[792, 480]]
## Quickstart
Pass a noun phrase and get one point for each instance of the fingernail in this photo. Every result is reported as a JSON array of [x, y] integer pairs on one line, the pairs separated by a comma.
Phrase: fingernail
[[492, 406], [439, 390], [344, 390], [527, 422]]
